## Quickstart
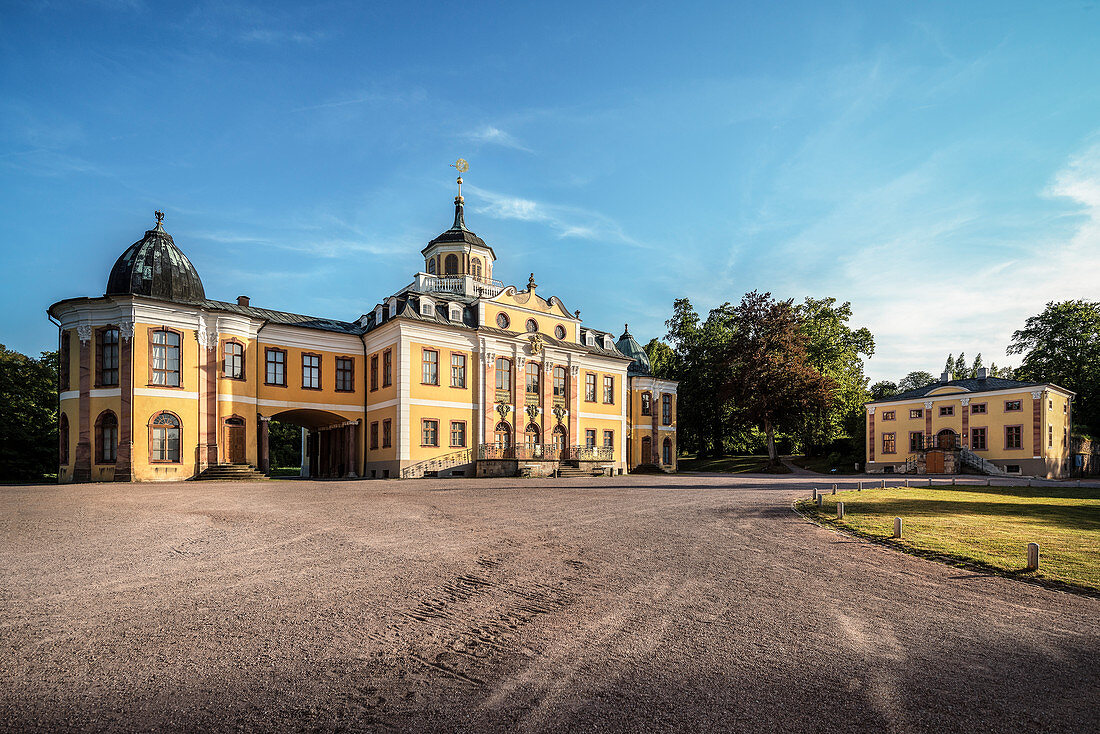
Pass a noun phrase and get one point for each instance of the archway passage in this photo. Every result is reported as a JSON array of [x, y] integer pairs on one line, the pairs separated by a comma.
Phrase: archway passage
[[331, 446]]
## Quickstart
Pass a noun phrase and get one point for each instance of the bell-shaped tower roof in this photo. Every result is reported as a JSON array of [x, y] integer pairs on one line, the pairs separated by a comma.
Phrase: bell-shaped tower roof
[[154, 266]]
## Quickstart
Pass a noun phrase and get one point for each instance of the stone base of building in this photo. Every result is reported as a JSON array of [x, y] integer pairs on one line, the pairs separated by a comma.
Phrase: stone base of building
[[1038, 468]]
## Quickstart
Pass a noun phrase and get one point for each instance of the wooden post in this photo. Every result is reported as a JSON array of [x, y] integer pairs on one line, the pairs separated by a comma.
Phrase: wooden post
[[834, 489], [839, 510], [907, 483], [1029, 481], [897, 527], [884, 484], [929, 481], [819, 499], [1032, 556], [815, 493], [860, 487], [952, 481]]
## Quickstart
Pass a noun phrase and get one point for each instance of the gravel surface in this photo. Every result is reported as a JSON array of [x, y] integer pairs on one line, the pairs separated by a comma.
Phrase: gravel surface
[[687, 603]]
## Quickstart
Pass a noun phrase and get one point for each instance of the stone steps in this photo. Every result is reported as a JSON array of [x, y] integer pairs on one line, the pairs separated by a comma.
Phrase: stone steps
[[231, 472]]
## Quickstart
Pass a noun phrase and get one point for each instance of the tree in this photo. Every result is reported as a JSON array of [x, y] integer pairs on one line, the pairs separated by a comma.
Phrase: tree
[[662, 360], [914, 380], [950, 365], [883, 389], [769, 376], [835, 350], [1062, 345], [28, 415], [977, 365], [961, 371]]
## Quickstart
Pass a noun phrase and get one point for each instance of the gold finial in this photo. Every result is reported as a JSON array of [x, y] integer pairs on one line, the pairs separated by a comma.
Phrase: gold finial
[[159, 215], [462, 167]]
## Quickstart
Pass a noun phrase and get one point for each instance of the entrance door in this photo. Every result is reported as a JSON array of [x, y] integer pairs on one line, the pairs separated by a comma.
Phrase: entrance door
[[934, 462], [945, 439], [234, 433], [559, 440]]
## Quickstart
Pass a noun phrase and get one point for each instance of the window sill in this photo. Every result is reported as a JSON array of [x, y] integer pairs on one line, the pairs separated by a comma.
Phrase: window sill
[[165, 387], [274, 384]]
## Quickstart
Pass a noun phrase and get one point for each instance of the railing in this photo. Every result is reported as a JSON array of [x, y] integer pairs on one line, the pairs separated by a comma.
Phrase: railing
[[946, 443], [446, 461], [591, 453], [461, 285], [532, 451], [969, 458]]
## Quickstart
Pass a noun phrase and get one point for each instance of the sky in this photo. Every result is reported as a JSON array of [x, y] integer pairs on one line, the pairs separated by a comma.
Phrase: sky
[[935, 164]]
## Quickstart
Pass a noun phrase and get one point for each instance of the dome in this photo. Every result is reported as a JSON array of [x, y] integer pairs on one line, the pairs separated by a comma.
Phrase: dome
[[631, 348], [154, 266], [458, 231]]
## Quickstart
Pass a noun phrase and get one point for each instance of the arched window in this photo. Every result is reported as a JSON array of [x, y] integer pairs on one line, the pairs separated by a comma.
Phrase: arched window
[[106, 438], [450, 265], [531, 434], [647, 403], [559, 382], [647, 450], [504, 374], [63, 440], [475, 267], [164, 438], [164, 360], [666, 452], [532, 369], [532, 325], [233, 362], [502, 435], [431, 266]]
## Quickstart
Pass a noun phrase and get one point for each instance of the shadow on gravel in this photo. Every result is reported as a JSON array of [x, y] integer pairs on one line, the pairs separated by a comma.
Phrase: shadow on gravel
[[1076, 517]]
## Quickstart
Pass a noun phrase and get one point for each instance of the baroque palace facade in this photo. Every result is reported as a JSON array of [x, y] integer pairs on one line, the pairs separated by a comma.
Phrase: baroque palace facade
[[455, 374], [986, 424]]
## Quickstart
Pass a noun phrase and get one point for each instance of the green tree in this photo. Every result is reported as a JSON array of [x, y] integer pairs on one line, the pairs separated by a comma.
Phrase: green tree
[[662, 359], [883, 389], [1062, 345], [285, 444], [949, 366], [914, 380], [768, 373], [977, 365], [28, 415], [961, 371], [835, 350]]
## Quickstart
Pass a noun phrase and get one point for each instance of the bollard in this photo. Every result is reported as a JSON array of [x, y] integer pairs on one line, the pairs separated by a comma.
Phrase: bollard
[[839, 510], [1078, 482], [929, 481], [860, 487], [989, 482], [834, 489], [819, 498], [884, 484], [897, 527], [906, 483], [815, 493], [1032, 556], [952, 481], [1029, 482]]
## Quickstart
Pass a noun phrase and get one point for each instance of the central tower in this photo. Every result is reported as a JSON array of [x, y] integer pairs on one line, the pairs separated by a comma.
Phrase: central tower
[[458, 251]]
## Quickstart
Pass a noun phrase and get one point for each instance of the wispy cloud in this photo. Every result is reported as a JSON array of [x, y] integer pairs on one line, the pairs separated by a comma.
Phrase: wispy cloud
[[565, 221], [491, 135], [274, 36]]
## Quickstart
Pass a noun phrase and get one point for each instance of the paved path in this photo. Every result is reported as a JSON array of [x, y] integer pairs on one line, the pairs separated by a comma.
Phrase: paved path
[[689, 603]]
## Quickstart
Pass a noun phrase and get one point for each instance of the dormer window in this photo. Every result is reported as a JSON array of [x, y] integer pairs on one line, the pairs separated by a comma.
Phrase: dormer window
[[456, 314], [427, 308], [378, 314], [589, 339], [607, 342]]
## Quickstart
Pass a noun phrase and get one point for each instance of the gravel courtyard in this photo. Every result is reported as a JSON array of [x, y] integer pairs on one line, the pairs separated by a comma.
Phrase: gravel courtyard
[[690, 603]]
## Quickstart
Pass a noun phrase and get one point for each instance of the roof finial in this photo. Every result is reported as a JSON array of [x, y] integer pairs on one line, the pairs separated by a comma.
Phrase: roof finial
[[626, 329], [159, 215], [462, 167], [531, 285]]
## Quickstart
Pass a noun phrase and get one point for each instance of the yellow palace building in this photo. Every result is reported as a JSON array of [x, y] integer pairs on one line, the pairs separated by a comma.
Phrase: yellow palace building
[[454, 374]]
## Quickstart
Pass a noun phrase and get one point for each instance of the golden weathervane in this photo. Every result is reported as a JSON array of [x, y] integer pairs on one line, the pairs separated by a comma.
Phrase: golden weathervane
[[462, 167]]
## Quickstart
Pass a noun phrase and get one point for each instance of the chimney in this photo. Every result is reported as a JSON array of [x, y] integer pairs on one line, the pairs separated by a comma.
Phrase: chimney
[[983, 373], [945, 377], [242, 301]]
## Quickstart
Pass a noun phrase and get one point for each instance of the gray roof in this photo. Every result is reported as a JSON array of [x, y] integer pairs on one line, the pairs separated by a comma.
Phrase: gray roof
[[631, 348], [154, 266], [458, 233], [970, 384]]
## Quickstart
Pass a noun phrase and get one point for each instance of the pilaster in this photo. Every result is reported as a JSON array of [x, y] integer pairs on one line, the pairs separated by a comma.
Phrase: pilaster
[[82, 469]]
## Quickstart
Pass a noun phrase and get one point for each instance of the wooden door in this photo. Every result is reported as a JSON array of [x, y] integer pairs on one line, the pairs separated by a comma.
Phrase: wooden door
[[236, 444], [934, 462]]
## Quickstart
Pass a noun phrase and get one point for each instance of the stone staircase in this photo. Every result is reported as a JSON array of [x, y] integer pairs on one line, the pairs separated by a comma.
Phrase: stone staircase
[[231, 473], [570, 469]]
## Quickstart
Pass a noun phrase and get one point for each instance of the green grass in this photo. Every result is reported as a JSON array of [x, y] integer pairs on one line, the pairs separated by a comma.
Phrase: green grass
[[286, 471], [823, 465], [989, 527], [729, 464]]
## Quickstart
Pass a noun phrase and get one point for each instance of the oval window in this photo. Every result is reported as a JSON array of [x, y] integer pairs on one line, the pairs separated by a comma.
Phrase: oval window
[[502, 320], [532, 325], [559, 331]]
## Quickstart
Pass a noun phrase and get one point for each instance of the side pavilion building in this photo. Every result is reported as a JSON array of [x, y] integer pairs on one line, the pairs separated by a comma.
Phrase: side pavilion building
[[454, 374]]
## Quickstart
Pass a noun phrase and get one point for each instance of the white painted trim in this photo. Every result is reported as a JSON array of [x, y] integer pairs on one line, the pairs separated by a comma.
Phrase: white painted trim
[[600, 416], [403, 378], [226, 398], [157, 392], [974, 396], [300, 337], [383, 405], [443, 404], [105, 392], [70, 395], [650, 428]]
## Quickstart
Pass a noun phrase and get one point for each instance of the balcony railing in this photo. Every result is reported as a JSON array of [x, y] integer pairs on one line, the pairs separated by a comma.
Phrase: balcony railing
[[460, 285], [545, 452], [447, 461]]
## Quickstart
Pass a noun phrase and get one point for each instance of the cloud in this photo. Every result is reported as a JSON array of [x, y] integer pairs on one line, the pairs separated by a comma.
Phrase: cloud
[[565, 221], [272, 36], [489, 134]]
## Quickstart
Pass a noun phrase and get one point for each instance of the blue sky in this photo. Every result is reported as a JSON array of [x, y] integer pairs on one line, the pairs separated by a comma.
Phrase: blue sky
[[936, 164]]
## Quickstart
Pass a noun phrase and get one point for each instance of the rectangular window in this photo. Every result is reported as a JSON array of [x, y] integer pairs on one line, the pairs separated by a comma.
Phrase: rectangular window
[[589, 387], [647, 404], [233, 360], [977, 439], [1050, 437], [916, 440], [374, 435], [590, 438], [608, 389], [916, 413], [458, 371], [387, 434], [532, 373], [63, 366], [609, 439], [387, 368], [276, 367], [1014, 437], [947, 410], [429, 362], [666, 409], [458, 434], [107, 357], [977, 408], [888, 444], [311, 371], [345, 374], [559, 382], [374, 372], [165, 363], [1011, 406], [429, 432], [888, 415]]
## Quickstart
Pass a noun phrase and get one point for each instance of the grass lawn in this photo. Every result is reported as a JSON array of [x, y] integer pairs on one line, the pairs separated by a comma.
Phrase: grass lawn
[[822, 465], [986, 526], [729, 464]]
